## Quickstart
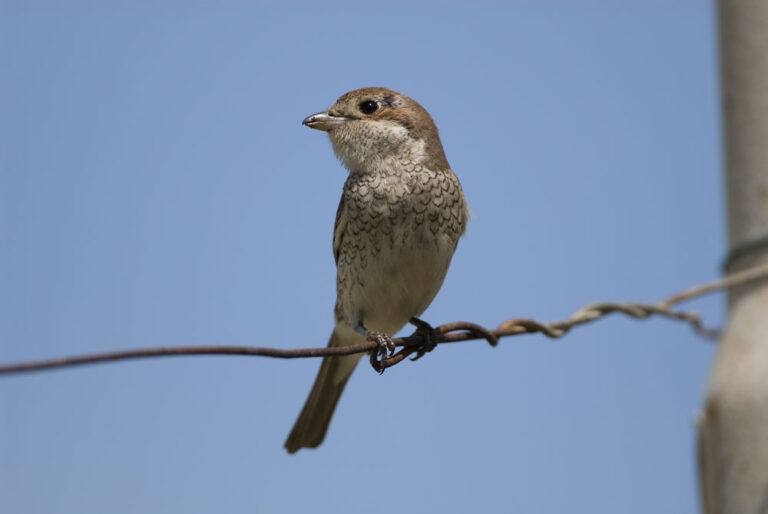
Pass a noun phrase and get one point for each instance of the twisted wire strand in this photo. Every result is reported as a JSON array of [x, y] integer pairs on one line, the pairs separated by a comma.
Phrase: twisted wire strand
[[453, 332]]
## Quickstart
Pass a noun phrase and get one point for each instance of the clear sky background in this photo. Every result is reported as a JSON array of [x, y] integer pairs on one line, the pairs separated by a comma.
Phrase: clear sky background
[[157, 188]]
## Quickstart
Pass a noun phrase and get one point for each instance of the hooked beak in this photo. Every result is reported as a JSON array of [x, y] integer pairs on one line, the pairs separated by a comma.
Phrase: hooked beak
[[323, 121]]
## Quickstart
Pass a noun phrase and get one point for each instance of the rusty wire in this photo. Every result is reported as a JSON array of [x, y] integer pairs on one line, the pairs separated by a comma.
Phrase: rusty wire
[[448, 333]]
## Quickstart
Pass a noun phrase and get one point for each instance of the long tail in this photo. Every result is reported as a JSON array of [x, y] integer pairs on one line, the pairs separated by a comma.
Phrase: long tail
[[312, 424]]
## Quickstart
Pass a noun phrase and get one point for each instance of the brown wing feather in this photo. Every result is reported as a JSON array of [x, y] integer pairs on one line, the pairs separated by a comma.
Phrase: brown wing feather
[[339, 227]]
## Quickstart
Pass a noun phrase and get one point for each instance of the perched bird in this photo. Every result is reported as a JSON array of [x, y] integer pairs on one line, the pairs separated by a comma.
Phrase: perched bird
[[401, 214]]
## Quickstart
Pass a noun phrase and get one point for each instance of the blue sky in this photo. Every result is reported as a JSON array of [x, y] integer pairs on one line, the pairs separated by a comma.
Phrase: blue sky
[[157, 188]]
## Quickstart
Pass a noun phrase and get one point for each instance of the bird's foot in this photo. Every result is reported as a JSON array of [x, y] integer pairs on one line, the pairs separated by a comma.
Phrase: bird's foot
[[386, 348], [429, 334]]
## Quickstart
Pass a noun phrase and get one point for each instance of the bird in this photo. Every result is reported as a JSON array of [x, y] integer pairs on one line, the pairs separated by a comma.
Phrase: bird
[[401, 214]]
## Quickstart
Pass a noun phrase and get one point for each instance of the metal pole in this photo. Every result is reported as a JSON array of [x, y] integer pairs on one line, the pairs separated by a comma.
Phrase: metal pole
[[733, 426]]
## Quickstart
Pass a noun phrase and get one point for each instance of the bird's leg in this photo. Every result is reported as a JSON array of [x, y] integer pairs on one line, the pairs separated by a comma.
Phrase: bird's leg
[[386, 348], [429, 334]]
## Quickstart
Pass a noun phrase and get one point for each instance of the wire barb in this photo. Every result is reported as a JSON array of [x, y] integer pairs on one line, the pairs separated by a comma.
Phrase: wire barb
[[448, 333]]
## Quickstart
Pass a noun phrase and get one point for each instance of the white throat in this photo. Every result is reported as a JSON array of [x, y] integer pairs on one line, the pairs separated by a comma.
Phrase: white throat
[[376, 147]]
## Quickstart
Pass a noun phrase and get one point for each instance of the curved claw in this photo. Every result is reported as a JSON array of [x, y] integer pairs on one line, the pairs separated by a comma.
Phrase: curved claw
[[428, 333], [386, 348]]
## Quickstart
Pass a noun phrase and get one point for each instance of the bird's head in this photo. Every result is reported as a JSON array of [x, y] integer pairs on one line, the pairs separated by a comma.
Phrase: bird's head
[[375, 128]]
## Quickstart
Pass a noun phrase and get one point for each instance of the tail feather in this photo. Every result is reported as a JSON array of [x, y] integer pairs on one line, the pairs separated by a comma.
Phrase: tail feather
[[312, 423]]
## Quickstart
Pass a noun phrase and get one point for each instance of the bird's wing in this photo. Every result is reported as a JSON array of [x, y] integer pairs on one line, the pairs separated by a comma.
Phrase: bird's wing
[[339, 228]]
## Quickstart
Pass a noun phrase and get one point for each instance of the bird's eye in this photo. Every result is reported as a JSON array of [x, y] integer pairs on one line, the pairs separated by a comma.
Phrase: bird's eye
[[368, 107]]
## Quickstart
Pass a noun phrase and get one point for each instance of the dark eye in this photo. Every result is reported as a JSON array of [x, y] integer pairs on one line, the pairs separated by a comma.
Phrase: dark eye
[[368, 107]]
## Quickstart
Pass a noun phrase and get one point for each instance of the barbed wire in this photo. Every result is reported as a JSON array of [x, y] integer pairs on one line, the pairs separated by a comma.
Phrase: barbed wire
[[454, 332]]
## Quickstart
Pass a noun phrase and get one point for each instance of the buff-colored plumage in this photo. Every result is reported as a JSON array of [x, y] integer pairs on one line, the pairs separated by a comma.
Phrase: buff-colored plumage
[[401, 214]]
